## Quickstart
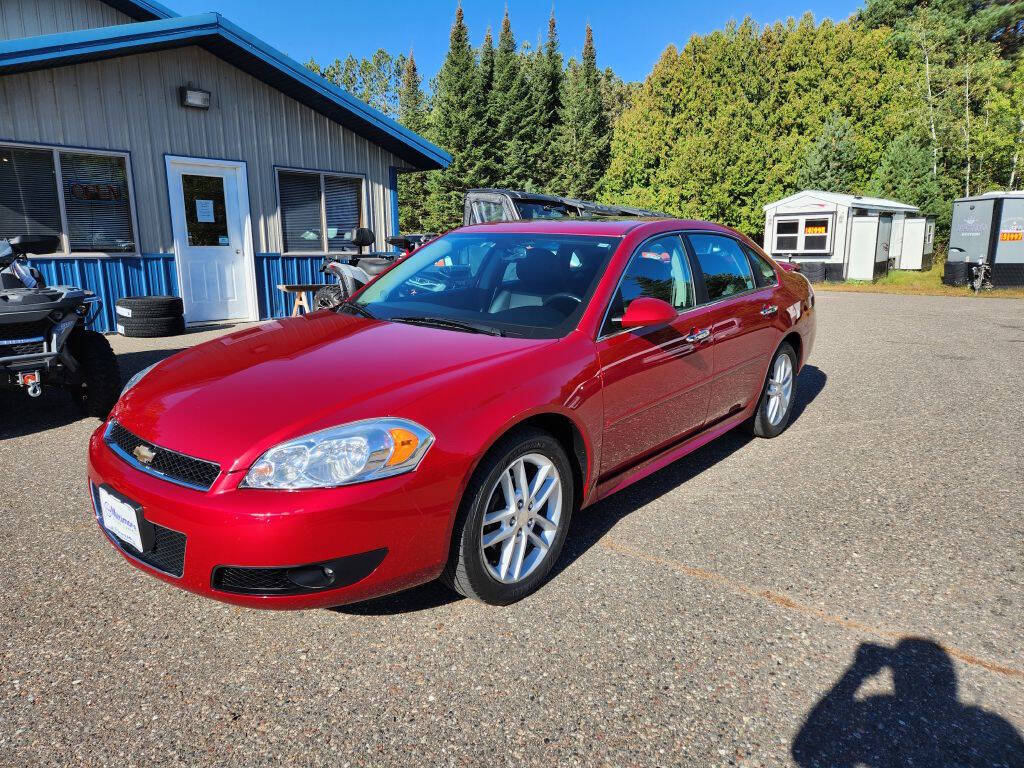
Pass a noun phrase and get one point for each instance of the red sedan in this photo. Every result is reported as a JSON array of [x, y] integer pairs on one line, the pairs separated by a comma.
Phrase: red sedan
[[450, 419]]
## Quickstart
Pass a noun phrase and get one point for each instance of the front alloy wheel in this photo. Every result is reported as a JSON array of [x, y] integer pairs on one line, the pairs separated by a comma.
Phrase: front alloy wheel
[[513, 519], [525, 509]]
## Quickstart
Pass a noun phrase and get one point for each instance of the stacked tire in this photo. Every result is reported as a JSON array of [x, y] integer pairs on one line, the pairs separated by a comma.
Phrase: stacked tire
[[956, 273], [150, 316], [814, 271]]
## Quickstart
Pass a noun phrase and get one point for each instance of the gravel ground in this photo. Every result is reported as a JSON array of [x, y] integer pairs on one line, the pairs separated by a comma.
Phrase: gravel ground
[[850, 592]]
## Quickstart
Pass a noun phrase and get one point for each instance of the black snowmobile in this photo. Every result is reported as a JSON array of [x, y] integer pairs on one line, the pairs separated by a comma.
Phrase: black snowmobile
[[43, 339]]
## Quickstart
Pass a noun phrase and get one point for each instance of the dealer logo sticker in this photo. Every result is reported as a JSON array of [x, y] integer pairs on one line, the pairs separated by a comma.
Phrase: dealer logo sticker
[[144, 454]]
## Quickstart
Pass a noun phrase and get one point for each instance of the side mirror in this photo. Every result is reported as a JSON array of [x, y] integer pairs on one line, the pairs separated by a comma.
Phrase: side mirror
[[646, 311]]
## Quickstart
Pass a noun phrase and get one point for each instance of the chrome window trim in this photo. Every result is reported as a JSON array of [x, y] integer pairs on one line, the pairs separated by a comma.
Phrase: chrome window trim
[[131, 460], [680, 313]]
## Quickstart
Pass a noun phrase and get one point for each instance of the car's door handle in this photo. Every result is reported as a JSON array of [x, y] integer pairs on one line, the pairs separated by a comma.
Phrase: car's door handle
[[696, 336], [769, 310]]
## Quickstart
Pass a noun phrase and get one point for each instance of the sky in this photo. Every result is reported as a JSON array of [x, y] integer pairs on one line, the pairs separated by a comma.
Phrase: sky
[[629, 34]]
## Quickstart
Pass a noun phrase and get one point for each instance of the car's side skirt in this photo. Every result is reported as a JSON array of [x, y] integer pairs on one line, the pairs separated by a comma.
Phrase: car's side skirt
[[646, 467]]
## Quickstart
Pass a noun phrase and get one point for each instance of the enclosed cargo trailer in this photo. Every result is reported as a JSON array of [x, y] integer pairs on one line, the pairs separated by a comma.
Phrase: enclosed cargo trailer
[[990, 228]]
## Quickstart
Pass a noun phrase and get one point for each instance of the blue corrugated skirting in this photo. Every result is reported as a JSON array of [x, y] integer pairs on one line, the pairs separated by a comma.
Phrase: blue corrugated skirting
[[112, 277], [273, 269]]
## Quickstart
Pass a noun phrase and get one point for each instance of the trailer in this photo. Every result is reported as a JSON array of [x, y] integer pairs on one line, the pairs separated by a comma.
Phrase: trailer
[[990, 228], [844, 237]]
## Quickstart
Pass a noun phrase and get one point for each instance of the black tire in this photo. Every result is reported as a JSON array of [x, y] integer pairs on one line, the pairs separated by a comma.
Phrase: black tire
[[96, 385], [466, 571], [135, 307], [328, 297], [150, 327], [760, 425]]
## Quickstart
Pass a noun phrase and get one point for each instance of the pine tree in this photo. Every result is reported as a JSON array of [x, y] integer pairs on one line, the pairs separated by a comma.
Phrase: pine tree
[[905, 174], [583, 134], [487, 151], [546, 98], [830, 163], [509, 107], [457, 109], [413, 114]]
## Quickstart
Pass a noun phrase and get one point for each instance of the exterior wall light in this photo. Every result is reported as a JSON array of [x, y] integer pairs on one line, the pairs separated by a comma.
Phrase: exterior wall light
[[193, 97]]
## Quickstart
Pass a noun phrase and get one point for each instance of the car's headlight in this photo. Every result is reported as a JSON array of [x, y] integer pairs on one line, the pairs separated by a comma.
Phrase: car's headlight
[[350, 453], [137, 378]]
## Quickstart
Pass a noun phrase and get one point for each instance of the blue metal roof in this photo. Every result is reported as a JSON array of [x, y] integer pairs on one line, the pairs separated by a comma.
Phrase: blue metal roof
[[141, 10], [236, 46]]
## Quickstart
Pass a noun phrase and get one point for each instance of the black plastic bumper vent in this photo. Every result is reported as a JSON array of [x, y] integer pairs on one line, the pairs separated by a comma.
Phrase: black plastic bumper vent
[[298, 580]]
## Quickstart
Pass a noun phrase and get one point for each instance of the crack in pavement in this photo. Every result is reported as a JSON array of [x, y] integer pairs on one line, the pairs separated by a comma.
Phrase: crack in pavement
[[792, 605]]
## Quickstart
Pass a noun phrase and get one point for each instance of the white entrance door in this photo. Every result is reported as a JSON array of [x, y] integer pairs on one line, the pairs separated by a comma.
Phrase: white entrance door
[[212, 238]]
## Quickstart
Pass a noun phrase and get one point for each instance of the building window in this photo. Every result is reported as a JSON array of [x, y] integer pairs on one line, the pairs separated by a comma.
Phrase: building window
[[91, 209], [803, 234], [319, 212]]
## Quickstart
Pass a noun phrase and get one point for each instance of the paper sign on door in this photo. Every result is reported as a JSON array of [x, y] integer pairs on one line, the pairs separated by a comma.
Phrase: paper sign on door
[[204, 210]]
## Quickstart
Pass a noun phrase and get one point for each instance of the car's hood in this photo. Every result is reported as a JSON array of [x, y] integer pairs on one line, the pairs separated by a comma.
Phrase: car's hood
[[229, 399]]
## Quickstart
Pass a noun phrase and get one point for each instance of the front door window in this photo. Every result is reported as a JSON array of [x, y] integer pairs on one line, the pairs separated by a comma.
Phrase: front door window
[[206, 219]]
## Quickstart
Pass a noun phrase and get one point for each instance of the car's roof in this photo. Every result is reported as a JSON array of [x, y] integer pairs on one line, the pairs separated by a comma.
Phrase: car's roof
[[596, 227]]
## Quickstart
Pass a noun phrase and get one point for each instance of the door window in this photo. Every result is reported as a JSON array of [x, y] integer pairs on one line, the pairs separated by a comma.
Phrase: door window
[[764, 273], [726, 269], [206, 220], [487, 210], [659, 270]]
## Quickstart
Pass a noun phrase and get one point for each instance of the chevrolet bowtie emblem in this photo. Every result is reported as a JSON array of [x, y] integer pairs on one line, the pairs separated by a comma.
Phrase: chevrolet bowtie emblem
[[144, 454]]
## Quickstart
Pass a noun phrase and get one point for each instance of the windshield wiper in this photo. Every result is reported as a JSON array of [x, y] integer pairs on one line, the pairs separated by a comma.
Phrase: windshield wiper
[[359, 309], [444, 322]]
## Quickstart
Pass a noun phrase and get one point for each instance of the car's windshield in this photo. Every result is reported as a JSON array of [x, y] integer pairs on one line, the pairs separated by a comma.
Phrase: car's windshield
[[515, 284]]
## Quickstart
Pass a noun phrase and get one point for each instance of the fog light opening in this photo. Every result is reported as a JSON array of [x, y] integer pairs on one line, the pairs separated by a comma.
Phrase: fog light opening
[[311, 576]]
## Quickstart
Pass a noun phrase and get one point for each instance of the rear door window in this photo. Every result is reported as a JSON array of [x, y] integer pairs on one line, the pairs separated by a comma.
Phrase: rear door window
[[764, 273], [724, 265]]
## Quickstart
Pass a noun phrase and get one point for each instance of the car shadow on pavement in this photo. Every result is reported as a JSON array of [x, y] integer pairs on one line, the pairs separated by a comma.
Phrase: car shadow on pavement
[[590, 527], [916, 721], [21, 415], [593, 524]]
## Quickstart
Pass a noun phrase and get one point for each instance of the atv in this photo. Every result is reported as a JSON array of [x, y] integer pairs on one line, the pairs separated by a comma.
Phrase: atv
[[355, 269], [43, 338]]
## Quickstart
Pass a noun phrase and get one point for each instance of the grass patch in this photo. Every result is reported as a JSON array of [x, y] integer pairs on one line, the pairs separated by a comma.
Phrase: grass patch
[[912, 283]]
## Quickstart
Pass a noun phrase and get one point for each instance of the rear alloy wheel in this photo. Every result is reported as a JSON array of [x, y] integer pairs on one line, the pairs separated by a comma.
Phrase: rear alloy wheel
[[513, 520], [776, 404]]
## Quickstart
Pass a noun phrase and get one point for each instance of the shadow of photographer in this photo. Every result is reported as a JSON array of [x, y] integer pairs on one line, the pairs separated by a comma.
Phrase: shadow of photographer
[[921, 723]]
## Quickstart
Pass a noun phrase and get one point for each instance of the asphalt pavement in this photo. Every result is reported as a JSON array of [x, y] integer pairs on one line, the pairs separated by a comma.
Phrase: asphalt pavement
[[851, 592]]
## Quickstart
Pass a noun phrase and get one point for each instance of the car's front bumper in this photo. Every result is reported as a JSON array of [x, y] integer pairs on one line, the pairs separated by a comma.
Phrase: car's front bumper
[[376, 537]]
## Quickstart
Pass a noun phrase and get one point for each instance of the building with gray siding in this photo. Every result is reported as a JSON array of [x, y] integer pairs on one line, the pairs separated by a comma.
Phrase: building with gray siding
[[181, 155]]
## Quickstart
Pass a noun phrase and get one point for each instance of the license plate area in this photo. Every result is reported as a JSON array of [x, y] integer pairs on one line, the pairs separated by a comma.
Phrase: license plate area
[[123, 518]]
